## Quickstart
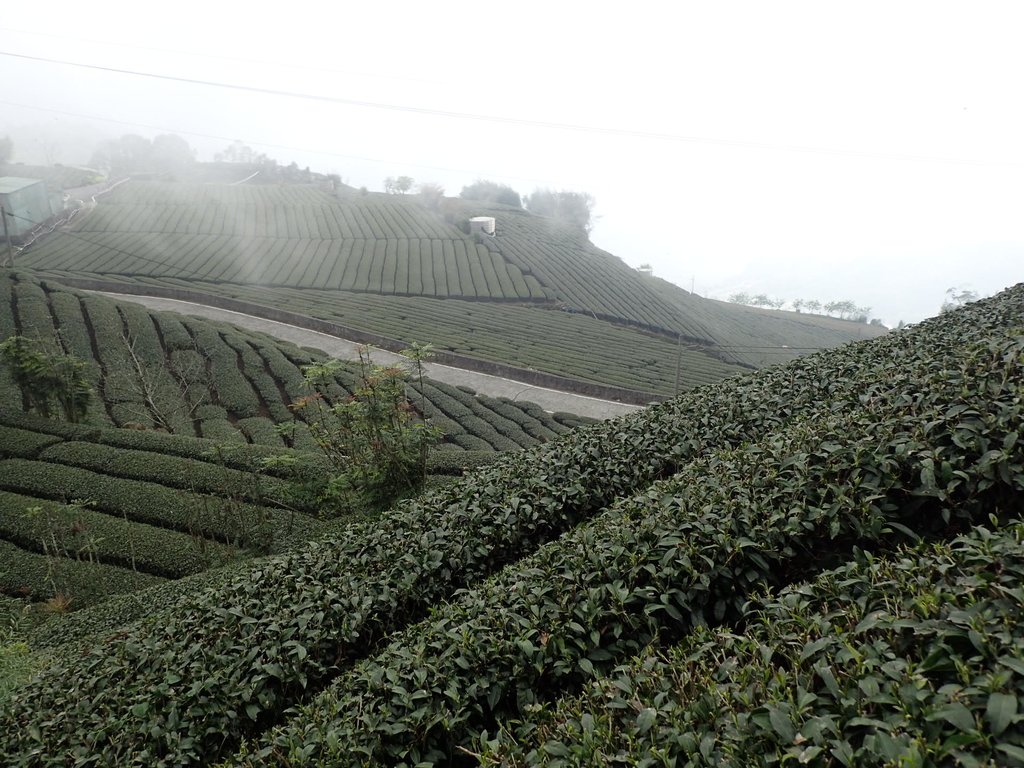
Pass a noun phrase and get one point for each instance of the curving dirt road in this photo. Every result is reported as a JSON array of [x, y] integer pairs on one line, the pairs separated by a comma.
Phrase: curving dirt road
[[485, 384]]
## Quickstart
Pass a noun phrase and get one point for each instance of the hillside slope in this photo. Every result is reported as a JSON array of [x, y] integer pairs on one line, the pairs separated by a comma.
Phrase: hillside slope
[[195, 377], [757, 337], [275, 243], [88, 511], [456, 616]]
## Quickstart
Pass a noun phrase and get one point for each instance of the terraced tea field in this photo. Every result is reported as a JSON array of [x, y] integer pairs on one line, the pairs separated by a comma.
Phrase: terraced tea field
[[769, 566], [415, 273], [192, 377], [550, 341], [88, 511]]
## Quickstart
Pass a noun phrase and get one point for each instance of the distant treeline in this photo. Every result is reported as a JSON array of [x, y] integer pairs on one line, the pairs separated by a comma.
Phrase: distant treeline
[[844, 309]]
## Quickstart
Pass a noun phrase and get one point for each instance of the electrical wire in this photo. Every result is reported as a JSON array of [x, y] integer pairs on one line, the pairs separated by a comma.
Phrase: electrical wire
[[221, 57], [506, 120], [164, 129]]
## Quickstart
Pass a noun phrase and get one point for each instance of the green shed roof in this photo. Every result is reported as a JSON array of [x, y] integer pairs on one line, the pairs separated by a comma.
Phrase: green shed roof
[[14, 183]]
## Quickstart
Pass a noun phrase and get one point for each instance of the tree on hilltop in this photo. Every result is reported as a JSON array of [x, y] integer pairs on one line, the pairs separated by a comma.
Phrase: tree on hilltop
[[399, 185], [572, 208], [6, 150], [167, 153], [431, 195], [491, 192]]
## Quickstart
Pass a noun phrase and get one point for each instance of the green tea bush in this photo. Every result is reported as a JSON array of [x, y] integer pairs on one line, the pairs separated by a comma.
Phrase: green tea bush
[[80, 582], [686, 552], [177, 689], [76, 532], [22, 443], [914, 659]]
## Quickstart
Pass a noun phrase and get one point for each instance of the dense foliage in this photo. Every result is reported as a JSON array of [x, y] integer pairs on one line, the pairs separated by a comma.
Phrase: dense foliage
[[52, 385], [635, 531], [933, 453], [160, 371], [491, 192], [914, 659]]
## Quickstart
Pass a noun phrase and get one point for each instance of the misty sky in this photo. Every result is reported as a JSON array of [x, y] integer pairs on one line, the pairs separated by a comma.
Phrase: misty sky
[[869, 151]]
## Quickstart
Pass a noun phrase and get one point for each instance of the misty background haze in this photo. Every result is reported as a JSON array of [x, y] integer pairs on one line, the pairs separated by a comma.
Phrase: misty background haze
[[869, 152]]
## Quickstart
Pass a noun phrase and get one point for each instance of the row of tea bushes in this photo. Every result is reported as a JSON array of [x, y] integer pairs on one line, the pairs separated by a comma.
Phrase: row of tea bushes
[[170, 471], [213, 517], [78, 533], [75, 583], [176, 689], [687, 551], [915, 659]]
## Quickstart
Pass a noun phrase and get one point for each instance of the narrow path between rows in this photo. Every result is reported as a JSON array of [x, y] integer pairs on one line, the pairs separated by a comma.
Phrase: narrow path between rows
[[486, 384]]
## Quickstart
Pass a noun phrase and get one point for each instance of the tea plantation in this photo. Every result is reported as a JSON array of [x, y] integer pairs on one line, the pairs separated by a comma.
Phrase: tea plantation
[[202, 477], [193, 377], [535, 295], [783, 567]]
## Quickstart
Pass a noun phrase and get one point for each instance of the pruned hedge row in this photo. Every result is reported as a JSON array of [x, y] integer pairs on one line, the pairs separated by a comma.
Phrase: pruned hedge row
[[77, 532], [290, 235], [445, 399], [575, 345], [571, 420], [177, 689], [274, 397], [82, 583], [916, 659], [232, 389], [244, 457], [222, 519], [685, 552], [458, 463], [22, 443], [64, 634], [172, 471]]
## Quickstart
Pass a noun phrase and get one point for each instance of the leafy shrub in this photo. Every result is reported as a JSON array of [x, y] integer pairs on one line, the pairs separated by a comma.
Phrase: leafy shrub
[[176, 688], [376, 447], [39, 577], [48, 381], [909, 660], [686, 552]]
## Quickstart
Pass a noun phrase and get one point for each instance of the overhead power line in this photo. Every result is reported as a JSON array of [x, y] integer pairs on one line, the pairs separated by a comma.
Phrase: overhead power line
[[507, 120], [220, 57], [289, 148]]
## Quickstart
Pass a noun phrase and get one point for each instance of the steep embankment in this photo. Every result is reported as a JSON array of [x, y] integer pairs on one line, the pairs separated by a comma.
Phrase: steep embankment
[[456, 614], [89, 511], [537, 294], [194, 377]]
